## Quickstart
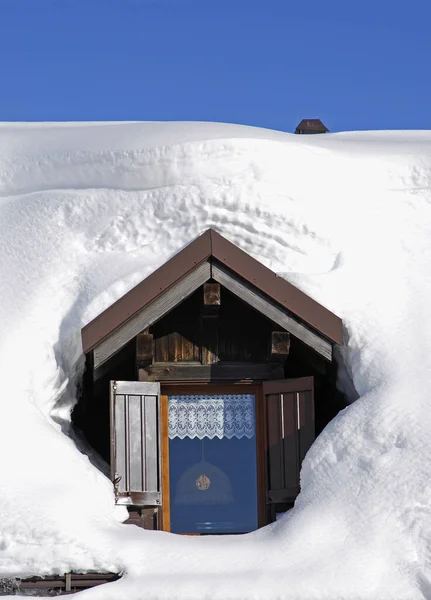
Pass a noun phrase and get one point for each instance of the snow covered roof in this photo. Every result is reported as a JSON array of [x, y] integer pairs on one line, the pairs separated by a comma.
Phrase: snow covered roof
[[89, 210]]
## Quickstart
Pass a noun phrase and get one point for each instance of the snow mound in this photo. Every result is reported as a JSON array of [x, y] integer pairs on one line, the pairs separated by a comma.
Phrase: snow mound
[[87, 211]]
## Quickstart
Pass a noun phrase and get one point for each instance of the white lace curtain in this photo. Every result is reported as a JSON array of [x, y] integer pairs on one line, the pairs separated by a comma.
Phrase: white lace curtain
[[212, 416]]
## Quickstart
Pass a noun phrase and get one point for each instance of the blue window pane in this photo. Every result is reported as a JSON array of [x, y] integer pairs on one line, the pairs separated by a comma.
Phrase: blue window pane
[[213, 483]]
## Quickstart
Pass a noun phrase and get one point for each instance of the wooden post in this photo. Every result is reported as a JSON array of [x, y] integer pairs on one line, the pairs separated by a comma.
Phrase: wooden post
[[144, 349], [210, 323], [166, 504], [144, 354]]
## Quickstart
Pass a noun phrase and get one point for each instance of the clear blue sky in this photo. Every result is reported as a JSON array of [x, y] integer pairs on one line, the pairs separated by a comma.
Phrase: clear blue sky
[[356, 64]]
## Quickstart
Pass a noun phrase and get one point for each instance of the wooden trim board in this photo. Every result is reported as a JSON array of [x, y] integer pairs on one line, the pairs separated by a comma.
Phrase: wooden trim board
[[151, 313], [254, 298], [166, 496], [216, 372]]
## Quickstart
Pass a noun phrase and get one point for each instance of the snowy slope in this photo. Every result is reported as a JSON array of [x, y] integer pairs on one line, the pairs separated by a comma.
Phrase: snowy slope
[[87, 211]]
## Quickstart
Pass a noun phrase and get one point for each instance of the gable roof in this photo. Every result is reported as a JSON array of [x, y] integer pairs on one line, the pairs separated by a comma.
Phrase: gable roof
[[194, 263], [312, 126]]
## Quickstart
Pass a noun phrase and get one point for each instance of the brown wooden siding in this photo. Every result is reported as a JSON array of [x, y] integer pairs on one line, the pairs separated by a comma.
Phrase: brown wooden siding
[[236, 334]]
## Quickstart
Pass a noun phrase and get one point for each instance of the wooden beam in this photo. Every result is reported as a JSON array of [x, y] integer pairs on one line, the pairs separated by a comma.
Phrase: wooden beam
[[166, 497], [280, 343], [209, 323], [146, 518], [278, 315], [212, 294], [151, 313], [144, 349], [81, 581], [218, 371]]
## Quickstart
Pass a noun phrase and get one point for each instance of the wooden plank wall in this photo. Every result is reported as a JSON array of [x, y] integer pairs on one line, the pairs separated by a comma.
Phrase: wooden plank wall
[[236, 334]]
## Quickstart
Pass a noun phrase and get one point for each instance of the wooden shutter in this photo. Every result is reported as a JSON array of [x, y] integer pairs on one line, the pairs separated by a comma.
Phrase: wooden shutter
[[289, 407], [135, 442]]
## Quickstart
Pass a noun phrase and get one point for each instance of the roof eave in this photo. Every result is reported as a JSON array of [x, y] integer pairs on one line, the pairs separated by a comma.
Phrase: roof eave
[[280, 290], [201, 249], [148, 290]]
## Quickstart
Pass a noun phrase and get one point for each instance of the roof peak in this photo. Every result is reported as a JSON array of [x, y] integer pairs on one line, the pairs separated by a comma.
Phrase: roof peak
[[209, 246]]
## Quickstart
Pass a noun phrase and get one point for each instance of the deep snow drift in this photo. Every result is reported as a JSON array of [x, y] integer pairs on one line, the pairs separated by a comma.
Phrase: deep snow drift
[[87, 211]]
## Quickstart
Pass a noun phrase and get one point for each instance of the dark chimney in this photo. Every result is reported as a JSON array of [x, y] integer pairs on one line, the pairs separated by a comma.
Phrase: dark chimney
[[308, 126]]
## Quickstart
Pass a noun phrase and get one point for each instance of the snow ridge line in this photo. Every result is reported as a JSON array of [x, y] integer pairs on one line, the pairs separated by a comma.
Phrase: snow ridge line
[[131, 163]]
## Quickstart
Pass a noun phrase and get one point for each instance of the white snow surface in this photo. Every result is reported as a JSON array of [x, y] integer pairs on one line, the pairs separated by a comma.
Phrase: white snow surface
[[86, 212]]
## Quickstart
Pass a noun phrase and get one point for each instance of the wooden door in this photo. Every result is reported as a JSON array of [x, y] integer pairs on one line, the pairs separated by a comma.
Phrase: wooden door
[[289, 405]]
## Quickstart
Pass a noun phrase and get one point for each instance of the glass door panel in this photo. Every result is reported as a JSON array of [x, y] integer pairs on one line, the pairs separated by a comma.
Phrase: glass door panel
[[212, 463]]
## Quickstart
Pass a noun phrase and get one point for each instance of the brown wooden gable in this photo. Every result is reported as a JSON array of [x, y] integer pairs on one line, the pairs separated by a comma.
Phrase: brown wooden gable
[[208, 256]]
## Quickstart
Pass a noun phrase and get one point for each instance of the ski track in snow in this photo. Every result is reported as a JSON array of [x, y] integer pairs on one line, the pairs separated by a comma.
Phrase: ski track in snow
[[87, 211]]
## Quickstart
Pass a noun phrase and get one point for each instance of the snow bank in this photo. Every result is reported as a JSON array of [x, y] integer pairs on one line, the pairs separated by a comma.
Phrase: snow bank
[[87, 211]]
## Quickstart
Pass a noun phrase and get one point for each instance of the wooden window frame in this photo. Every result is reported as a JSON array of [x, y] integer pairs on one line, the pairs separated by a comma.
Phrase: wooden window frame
[[170, 389]]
